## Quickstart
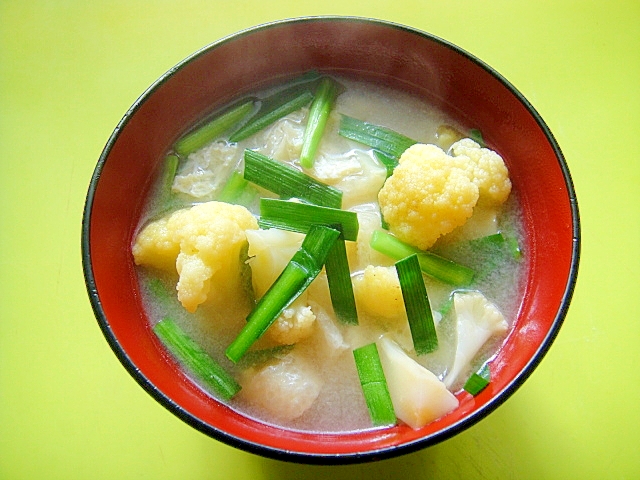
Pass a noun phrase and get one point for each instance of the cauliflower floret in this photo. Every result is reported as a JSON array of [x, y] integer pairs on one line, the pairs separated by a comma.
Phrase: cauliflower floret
[[418, 396], [477, 320], [377, 292], [294, 324], [155, 246], [428, 195], [486, 169], [285, 388], [206, 239]]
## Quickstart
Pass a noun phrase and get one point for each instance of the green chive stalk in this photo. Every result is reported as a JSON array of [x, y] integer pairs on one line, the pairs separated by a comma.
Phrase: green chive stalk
[[208, 132], [319, 112], [195, 359], [478, 381], [374, 385], [433, 265], [288, 182], [340, 286], [417, 306], [300, 217], [302, 269], [382, 139]]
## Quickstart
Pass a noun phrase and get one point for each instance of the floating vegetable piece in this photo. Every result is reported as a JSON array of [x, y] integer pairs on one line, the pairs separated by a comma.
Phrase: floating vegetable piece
[[211, 130], [288, 182], [196, 359], [340, 286], [319, 112], [416, 301], [374, 385], [433, 265], [303, 268], [389, 143], [479, 380], [300, 217], [477, 320], [418, 396]]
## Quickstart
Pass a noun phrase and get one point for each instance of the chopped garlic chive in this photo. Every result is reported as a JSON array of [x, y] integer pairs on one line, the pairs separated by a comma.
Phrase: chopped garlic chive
[[299, 217], [169, 170], [319, 112], [239, 191], [374, 385], [288, 182], [389, 142], [479, 380], [273, 109], [208, 132], [433, 265], [195, 359], [418, 308], [340, 286], [390, 163], [302, 269], [497, 249], [476, 135]]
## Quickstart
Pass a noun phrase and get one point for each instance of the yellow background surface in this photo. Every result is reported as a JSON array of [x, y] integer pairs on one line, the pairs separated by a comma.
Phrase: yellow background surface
[[68, 72]]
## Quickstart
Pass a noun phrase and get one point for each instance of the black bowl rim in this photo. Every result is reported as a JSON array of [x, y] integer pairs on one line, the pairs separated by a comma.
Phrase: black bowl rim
[[340, 458]]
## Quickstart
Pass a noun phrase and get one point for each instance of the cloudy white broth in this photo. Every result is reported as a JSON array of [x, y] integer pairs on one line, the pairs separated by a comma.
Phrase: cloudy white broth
[[207, 252]]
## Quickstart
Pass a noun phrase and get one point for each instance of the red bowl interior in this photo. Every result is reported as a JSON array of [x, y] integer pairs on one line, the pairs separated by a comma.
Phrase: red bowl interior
[[394, 55]]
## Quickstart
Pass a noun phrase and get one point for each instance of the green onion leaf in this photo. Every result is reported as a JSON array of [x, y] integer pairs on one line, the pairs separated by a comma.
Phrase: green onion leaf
[[299, 217], [159, 291], [390, 143], [478, 381], [273, 108], [238, 191], [319, 111], [302, 269], [288, 182], [433, 265], [499, 242], [195, 359], [169, 170], [476, 136], [340, 286], [416, 301], [199, 137], [496, 249], [390, 163], [374, 385], [259, 357]]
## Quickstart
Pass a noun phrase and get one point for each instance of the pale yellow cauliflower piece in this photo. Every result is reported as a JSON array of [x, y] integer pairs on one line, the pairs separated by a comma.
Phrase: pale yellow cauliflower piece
[[486, 169], [294, 324], [155, 246], [206, 240], [477, 320], [269, 252], [428, 195], [377, 292]]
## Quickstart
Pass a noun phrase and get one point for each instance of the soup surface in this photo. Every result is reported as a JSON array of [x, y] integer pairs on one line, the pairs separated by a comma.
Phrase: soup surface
[[301, 373]]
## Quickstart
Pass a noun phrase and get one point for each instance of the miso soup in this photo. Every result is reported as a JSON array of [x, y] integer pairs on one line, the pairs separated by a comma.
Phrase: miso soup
[[301, 373]]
